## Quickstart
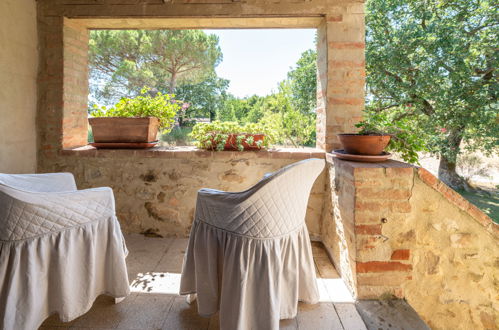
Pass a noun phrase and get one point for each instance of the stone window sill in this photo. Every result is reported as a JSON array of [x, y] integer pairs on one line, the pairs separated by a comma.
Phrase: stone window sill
[[193, 152]]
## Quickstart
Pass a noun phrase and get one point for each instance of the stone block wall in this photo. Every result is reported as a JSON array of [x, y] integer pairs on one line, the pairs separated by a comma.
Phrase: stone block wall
[[397, 231], [155, 190]]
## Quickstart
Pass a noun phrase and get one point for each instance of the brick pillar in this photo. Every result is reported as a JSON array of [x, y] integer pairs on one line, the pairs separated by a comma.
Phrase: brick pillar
[[381, 204], [322, 76], [345, 71], [49, 102], [75, 85], [370, 202]]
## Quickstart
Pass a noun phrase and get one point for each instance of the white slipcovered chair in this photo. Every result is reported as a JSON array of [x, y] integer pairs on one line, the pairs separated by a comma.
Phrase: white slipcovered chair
[[249, 254], [60, 248]]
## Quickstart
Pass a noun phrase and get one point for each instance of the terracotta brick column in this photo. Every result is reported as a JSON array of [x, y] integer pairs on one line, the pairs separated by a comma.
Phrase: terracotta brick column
[[75, 85], [343, 81], [366, 197], [50, 73]]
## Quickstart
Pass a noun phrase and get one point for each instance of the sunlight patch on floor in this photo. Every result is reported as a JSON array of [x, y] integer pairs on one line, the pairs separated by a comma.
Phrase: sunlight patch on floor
[[156, 282], [330, 290], [333, 290]]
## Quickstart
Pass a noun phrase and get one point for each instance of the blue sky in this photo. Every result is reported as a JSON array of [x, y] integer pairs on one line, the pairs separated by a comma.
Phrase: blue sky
[[256, 60]]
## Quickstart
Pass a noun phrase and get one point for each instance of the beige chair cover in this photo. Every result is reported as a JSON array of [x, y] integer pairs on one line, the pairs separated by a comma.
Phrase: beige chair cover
[[249, 253], [59, 249]]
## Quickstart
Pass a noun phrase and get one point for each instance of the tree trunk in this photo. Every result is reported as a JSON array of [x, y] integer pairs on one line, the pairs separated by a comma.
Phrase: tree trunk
[[173, 82], [447, 166]]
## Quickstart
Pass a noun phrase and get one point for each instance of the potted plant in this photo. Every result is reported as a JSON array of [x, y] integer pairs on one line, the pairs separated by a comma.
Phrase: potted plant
[[376, 134], [134, 120], [229, 136]]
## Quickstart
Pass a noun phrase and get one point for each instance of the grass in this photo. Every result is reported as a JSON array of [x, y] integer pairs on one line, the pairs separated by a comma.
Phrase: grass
[[487, 201]]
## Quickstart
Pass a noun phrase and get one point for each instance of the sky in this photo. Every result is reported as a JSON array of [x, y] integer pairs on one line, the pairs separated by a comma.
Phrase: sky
[[256, 60]]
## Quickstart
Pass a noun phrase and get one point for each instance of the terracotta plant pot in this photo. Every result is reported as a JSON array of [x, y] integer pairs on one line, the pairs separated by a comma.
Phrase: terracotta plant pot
[[231, 143], [118, 129], [358, 144]]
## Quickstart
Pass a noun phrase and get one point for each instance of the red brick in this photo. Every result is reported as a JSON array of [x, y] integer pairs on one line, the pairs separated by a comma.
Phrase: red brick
[[399, 171], [400, 207], [427, 177], [479, 216], [335, 18], [401, 254], [362, 205], [366, 218], [394, 279], [377, 193], [382, 266], [368, 229], [346, 64], [347, 45]]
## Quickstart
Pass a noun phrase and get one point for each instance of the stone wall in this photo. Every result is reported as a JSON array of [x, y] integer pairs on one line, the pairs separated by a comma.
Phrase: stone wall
[[155, 190], [18, 70], [398, 231]]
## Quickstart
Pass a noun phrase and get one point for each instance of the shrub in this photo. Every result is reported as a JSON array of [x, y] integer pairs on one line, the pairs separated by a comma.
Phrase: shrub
[[162, 106], [214, 135], [178, 136]]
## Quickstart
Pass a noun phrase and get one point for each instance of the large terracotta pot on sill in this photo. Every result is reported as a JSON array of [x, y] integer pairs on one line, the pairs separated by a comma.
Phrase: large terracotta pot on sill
[[124, 130], [358, 144]]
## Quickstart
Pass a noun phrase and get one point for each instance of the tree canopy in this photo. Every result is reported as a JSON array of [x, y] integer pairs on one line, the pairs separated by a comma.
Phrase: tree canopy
[[432, 66], [303, 82], [122, 62]]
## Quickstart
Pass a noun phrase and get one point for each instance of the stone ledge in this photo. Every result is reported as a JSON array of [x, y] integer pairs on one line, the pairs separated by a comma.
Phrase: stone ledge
[[330, 158], [459, 201], [193, 152]]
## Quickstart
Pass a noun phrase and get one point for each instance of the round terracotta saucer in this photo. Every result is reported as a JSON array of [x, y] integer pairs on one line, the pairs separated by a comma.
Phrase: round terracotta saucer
[[123, 145], [340, 153]]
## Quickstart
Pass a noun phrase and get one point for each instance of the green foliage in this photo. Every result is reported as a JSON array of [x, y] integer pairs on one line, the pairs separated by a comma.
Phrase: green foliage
[[178, 136], [214, 135], [203, 98], [162, 106], [303, 82], [432, 69], [276, 113], [288, 124], [406, 138], [122, 61]]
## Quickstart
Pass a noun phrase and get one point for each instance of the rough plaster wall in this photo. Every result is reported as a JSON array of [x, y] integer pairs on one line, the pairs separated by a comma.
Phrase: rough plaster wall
[[158, 195], [18, 69], [455, 265]]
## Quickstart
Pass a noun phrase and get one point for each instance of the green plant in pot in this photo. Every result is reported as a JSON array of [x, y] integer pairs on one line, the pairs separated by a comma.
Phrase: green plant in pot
[[377, 133], [219, 136], [135, 119]]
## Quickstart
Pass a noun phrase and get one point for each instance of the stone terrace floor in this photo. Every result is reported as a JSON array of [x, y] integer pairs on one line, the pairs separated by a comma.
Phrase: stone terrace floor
[[154, 267]]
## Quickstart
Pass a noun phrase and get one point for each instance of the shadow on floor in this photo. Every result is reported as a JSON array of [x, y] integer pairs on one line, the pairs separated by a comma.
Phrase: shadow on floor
[[389, 314]]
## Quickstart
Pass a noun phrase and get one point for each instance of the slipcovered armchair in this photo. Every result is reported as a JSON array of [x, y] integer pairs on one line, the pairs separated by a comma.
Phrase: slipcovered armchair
[[60, 248], [249, 254]]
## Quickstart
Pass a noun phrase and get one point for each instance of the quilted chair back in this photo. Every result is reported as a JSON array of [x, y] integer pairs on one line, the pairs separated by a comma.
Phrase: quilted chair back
[[35, 204], [48, 182], [275, 206]]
